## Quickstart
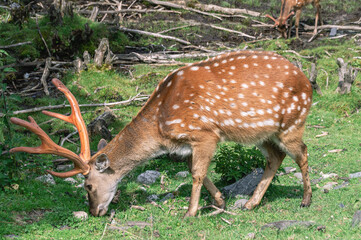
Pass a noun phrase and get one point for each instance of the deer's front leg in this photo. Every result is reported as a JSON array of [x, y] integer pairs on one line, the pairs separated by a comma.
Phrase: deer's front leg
[[201, 158]]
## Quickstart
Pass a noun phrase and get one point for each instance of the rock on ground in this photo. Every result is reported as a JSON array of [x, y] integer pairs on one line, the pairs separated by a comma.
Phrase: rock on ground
[[246, 185], [46, 179], [239, 203], [80, 215], [281, 225], [355, 175], [183, 174], [148, 177], [70, 180]]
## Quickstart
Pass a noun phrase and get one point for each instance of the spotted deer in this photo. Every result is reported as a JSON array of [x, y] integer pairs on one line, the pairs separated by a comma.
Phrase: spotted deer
[[248, 97], [287, 8]]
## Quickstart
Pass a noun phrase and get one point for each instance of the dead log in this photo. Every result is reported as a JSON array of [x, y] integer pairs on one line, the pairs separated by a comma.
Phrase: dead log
[[45, 75], [94, 14], [99, 126], [346, 76], [312, 76], [78, 65], [231, 11], [101, 51]]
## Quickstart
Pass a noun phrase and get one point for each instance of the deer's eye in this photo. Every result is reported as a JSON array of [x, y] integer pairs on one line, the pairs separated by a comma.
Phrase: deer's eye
[[88, 187]]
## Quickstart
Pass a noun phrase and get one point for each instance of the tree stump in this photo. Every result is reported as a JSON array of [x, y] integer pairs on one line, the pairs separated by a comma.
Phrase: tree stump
[[101, 51], [312, 76], [346, 76], [99, 126]]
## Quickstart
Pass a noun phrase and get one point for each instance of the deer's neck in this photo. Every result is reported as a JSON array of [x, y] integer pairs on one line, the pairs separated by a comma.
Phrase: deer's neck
[[138, 142]]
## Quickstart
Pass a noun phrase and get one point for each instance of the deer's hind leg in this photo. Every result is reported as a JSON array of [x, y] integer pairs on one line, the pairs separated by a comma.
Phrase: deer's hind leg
[[274, 157]]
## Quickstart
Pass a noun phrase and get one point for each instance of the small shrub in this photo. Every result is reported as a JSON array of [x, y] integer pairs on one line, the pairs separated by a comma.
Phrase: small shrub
[[234, 161]]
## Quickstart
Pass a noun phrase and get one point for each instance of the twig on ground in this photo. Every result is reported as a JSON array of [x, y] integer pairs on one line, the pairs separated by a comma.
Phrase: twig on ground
[[154, 35], [41, 36], [296, 53], [355, 28], [126, 102], [173, 5], [16, 45], [226, 221]]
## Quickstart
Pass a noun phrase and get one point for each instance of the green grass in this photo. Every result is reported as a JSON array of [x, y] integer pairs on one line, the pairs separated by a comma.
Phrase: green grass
[[38, 211]]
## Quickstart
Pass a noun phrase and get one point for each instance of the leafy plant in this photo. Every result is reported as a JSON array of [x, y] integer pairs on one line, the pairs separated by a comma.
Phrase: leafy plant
[[234, 161]]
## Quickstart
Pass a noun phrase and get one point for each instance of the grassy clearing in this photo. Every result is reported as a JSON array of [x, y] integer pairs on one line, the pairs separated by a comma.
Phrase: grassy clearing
[[38, 211], [33, 210]]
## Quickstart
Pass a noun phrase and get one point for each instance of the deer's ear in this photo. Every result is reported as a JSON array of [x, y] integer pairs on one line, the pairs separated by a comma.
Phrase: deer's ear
[[102, 163], [102, 143]]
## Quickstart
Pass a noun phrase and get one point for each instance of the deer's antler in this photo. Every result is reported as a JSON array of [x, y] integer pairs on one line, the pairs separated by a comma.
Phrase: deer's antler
[[273, 19], [48, 146]]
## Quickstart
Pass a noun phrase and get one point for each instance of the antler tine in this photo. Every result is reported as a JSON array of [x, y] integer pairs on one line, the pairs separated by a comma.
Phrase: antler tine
[[74, 118], [272, 18], [289, 15], [49, 147]]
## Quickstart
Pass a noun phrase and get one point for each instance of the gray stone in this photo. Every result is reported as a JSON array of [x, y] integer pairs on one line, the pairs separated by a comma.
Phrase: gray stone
[[81, 185], [282, 225], [342, 185], [80, 215], [289, 169], [166, 197], [298, 175], [65, 167], [183, 174], [355, 175], [329, 185], [80, 176], [333, 32], [356, 220], [46, 179], [239, 203], [328, 175], [148, 177], [70, 180], [11, 236], [152, 198], [246, 185]]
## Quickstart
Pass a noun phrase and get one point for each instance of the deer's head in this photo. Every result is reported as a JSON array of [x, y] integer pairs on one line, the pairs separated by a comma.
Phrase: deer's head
[[100, 180]]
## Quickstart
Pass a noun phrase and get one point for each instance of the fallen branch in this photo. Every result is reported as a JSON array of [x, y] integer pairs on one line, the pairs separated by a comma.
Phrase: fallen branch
[[154, 35], [41, 36], [173, 5], [296, 53], [45, 75], [38, 109], [231, 11], [355, 28], [16, 45], [130, 11]]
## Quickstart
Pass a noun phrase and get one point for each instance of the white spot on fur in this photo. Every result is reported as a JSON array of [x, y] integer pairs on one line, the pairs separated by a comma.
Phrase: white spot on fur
[[173, 122], [269, 66], [180, 73], [244, 85]]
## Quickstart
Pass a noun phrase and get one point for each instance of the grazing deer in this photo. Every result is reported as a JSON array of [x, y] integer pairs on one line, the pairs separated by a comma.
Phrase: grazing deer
[[286, 11], [247, 97]]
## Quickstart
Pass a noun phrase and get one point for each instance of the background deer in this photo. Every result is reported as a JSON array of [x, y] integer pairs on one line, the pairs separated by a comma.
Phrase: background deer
[[287, 8], [248, 97]]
